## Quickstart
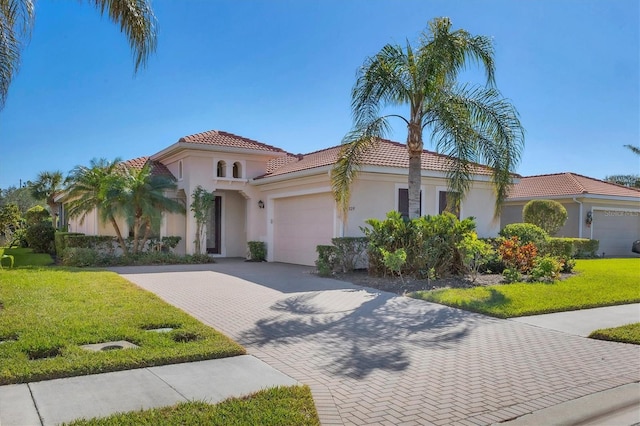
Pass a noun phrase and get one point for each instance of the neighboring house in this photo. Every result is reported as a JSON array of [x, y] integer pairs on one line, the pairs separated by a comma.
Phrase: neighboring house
[[266, 194], [597, 209]]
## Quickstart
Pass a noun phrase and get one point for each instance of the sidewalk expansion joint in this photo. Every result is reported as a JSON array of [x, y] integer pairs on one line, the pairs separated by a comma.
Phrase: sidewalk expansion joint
[[35, 404]]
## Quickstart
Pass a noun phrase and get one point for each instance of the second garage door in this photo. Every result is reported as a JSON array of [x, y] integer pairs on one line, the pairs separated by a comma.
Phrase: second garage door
[[299, 225], [616, 231]]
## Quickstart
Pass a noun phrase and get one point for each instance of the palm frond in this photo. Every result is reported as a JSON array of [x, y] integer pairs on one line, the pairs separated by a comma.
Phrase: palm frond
[[137, 21], [355, 144], [493, 134], [16, 21], [635, 149]]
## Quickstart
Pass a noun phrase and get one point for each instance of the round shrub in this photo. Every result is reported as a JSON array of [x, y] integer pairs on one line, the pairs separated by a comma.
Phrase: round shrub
[[526, 233], [547, 214], [36, 214], [40, 237]]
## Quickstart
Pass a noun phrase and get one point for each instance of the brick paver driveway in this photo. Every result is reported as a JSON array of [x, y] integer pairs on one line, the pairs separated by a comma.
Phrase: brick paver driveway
[[376, 358]]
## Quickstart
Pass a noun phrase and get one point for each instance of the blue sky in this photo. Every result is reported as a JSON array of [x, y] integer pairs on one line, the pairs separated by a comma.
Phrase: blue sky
[[281, 72]]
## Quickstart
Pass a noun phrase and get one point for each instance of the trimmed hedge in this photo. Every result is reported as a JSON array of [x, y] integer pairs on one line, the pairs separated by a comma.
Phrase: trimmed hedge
[[61, 241]]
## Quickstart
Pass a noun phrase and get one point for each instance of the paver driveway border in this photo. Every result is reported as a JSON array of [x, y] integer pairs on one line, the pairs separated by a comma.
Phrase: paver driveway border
[[376, 358]]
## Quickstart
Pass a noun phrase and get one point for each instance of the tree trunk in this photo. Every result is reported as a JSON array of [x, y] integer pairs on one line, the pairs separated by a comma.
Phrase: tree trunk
[[123, 245], [147, 231], [414, 146], [136, 233]]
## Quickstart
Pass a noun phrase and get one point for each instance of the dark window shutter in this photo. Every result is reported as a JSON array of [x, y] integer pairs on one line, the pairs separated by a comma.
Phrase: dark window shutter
[[403, 202]]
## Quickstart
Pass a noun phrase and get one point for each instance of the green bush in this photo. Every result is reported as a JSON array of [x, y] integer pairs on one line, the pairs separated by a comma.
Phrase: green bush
[[61, 242], [101, 243], [349, 250], [257, 251], [549, 215], [40, 237], [546, 269], [431, 243], [394, 261], [36, 214], [526, 233], [557, 247], [171, 242], [493, 262], [511, 275], [585, 248], [475, 252], [327, 259], [80, 256]]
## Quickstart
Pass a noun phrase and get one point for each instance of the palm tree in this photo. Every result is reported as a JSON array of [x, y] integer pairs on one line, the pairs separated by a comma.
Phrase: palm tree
[[135, 18], [470, 124], [99, 186], [47, 186], [144, 200]]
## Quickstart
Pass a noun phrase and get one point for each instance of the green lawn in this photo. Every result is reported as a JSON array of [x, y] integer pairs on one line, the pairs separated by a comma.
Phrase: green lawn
[[284, 406], [627, 334], [598, 282], [25, 257], [47, 313]]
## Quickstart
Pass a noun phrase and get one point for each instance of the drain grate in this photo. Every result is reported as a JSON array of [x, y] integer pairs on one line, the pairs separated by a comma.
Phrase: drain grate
[[110, 346], [161, 330]]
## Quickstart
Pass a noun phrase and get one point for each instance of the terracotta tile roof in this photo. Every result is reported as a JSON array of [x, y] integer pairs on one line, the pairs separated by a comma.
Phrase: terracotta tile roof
[[386, 154], [567, 184], [276, 163], [157, 168], [219, 138]]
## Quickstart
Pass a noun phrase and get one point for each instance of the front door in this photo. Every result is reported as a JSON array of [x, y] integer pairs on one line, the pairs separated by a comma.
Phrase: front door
[[214, 227]]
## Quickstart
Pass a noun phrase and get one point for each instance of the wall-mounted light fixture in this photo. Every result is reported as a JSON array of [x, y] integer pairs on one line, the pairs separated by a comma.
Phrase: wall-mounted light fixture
[[261, 204]]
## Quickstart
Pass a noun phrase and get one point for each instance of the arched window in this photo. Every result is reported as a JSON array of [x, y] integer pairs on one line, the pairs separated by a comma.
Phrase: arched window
[[237, 170], [221, 169]]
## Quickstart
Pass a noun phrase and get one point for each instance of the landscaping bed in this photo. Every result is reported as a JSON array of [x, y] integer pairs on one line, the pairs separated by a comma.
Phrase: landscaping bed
[[47, 314], [394, 284]]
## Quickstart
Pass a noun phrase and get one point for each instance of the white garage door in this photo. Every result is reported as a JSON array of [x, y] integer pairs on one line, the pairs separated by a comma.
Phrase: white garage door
[[616, 231], [300, 224]]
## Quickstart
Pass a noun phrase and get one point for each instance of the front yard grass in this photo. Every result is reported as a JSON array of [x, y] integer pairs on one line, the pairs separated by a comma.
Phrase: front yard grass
[[598, 282], [281, 406], [25, 257], [47, 313], [629, 333]]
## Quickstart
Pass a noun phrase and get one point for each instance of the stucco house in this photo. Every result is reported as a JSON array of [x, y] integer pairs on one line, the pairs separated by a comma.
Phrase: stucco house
[[266, 194], [597, 209]]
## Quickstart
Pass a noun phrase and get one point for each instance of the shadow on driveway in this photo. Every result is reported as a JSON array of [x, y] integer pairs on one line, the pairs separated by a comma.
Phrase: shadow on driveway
[[359, 331]]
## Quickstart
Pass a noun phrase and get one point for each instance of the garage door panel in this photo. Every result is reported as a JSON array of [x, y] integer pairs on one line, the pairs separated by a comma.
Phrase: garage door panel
[[301, 224], [616, 231]]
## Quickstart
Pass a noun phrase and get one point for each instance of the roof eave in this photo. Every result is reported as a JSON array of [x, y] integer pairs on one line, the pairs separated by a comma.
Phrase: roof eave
[[292, 175], [183, 146], [582, 196]]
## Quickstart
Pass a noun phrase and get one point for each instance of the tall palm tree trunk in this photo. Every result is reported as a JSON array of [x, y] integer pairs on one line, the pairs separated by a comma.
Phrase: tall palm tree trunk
[[147, 232], [415, 147], [123, 245]]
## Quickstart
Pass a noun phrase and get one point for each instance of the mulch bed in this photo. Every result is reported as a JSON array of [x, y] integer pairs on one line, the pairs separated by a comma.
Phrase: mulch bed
[[394, 284]]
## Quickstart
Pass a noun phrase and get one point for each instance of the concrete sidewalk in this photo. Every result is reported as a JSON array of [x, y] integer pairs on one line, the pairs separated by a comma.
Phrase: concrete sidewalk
[[585, 321], [63, 400]]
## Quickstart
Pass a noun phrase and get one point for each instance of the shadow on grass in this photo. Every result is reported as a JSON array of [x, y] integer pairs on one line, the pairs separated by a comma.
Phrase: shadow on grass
[[360, 331]]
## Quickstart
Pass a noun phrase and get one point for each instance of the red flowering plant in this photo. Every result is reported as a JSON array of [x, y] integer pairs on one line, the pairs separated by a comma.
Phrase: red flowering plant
[[520, 257]]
